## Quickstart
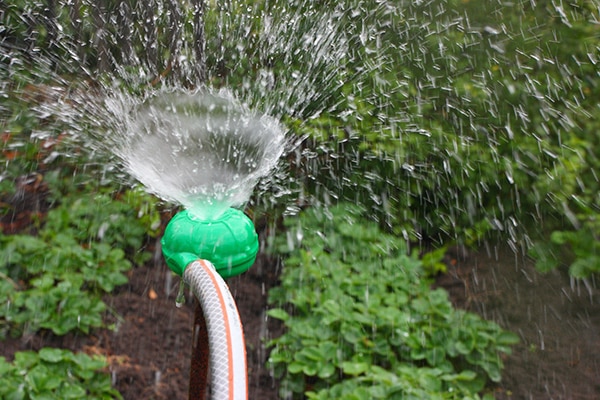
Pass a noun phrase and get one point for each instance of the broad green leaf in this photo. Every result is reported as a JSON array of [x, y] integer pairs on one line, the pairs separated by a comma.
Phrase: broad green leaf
[[278, 313], [354, 368], [51, 355]]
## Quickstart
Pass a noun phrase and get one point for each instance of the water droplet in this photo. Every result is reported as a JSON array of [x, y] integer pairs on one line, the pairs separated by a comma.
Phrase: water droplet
[[180, 299]]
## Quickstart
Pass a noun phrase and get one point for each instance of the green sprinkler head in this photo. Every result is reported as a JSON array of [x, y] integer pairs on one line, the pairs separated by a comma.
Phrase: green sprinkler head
[[229, 242]]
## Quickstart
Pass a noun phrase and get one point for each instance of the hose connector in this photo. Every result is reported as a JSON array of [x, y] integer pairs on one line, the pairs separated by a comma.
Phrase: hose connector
[[229, 242]]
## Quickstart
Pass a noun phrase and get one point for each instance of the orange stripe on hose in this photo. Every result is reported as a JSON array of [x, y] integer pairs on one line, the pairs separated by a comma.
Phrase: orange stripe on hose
[[210, 272]]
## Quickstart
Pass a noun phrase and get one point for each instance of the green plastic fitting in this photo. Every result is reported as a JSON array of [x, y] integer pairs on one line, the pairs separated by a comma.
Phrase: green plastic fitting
[[229, 242]]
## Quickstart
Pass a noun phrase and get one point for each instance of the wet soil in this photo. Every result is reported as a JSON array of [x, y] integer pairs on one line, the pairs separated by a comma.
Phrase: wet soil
[[557, 318]]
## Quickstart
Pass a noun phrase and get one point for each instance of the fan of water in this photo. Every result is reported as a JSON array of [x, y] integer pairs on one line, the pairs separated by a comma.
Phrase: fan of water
[[202, 149]]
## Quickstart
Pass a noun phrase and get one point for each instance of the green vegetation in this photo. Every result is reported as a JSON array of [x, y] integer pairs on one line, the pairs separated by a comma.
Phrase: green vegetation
[[76, 240], [55, 374], [451, 121], [363, 323], [55, 280]]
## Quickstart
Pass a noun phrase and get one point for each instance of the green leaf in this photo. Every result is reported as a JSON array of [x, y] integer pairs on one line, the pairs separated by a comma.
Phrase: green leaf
[[466, 375], [69, 391], [354, 368], [278, 313], [26, 359], [507, 338], [312, 353], [310, 369], [583, 267], [326, 371], [295, 367], [493, 370], [51, 355]]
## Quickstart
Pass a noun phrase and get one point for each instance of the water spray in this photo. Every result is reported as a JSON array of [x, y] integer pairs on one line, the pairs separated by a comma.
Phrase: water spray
[[215, 150]]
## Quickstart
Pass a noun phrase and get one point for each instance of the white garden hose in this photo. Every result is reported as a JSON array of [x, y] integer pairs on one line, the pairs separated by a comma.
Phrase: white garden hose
[[227, 349]]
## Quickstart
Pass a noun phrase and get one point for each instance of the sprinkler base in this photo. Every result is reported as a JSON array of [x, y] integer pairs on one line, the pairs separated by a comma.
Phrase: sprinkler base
[[229, 242]]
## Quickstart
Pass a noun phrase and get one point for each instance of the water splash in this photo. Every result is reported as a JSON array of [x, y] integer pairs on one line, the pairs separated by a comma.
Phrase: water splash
[[435, 95], [202, 149], [180, 299]]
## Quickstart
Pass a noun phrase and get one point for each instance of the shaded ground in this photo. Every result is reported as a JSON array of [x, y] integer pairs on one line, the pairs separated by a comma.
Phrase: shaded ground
[[557, 320]]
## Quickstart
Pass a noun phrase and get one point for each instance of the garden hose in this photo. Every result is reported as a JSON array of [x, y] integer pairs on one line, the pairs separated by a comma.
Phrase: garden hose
[[203, 253], [227, 356]]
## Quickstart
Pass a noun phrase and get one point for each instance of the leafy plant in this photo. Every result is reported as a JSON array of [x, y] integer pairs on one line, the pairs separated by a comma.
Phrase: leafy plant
[[55, 374], [55, 284], [363, 323], [98, 217], [55, 280], [579, 248]]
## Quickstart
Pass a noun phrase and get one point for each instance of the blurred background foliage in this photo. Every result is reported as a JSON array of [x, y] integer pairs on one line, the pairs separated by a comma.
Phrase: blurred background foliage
[[454, 121]]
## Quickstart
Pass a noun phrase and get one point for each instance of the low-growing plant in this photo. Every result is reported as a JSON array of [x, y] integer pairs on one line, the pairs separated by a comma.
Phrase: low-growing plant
[[363, 322], [578, 249], [55, 280], [98, 217], [55, 374], [55, 284]]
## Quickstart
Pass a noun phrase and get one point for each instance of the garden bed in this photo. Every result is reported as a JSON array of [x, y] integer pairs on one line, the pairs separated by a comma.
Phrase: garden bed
[[149, 350]]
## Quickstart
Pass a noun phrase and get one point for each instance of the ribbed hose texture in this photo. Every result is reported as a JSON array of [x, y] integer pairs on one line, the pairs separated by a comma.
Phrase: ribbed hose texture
[[228, 369]]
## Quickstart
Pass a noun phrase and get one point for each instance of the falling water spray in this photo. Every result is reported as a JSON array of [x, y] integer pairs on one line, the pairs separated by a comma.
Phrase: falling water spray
[[206, 151]]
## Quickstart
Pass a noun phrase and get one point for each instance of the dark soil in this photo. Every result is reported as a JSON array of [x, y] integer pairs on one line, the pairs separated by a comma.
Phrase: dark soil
[[149, 350], [558, 320]]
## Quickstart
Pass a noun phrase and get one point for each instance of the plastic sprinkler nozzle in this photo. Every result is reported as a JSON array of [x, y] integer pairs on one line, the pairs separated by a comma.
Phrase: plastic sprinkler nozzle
[[229, 242]]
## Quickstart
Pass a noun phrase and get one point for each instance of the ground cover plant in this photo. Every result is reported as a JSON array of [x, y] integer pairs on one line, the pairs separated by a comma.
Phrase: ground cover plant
[[65, 242], [55, 280], [55, 374], [363, 322]]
